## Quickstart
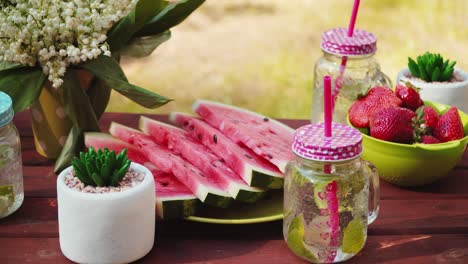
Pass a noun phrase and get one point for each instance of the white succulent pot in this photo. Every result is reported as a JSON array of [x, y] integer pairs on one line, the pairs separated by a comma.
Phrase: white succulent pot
[[449, 93], [116, 227]]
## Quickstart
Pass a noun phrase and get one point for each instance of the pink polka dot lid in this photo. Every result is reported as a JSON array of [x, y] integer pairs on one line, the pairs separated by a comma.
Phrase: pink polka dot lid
[[310, 143], [336, 41]]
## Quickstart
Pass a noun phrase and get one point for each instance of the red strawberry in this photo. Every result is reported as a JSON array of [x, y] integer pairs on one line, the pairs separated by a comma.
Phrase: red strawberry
[[409, 96], [385, 94], [393, 124], [449, 126], [359, 113], [376, 99], [429, 139], [431, 118]]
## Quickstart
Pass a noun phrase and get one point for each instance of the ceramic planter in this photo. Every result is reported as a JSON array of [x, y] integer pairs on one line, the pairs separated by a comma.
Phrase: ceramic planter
[[107, 228], [454, 93]]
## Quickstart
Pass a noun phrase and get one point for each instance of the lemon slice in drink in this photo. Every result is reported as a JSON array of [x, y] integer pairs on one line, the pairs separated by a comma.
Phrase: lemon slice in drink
[[6, 198], [320, 193], [296, 238], [354, 236]]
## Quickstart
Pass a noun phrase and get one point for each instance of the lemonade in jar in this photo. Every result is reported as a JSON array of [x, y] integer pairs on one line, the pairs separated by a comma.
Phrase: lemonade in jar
[[350, 62], [330, 194], [11, 169]]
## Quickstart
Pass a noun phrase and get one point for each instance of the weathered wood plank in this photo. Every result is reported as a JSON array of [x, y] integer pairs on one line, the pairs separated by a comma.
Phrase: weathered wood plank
[[33, 219], [37, 217], [378, 249], [39, 181], [22, 122], [464, 161], [451, 187]]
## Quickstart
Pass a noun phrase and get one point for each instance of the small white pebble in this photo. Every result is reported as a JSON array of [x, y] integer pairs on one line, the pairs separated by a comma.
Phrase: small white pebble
[[131, 179]]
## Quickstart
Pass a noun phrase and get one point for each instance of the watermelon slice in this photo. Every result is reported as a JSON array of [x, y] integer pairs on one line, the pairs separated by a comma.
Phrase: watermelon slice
[[173, 199], [169, 162], [268, 138], [255, 170], [202, 157]]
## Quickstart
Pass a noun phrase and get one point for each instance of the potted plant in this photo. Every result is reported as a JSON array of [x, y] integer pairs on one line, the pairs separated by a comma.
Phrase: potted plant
[[106, 208], [63, 62], [438, 80]]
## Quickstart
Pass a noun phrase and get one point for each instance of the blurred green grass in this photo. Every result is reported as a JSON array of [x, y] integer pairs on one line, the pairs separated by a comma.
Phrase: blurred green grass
[[260, 54]]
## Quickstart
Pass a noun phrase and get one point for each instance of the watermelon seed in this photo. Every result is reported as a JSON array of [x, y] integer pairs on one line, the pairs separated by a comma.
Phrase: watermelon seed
[[248, 156], [266, 119], [272, 131], [214, 165], [201, 174], [191, 127], [185, 123], [215, 138], [269, 156], [164, 184], [199, 137]]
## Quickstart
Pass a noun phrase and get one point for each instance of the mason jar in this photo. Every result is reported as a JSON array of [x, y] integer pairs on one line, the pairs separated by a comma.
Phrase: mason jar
[[331, 195], [351, 63], [11, 174]]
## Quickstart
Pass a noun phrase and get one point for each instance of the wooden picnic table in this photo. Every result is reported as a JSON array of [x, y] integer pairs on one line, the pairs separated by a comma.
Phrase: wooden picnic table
[[416, 225]]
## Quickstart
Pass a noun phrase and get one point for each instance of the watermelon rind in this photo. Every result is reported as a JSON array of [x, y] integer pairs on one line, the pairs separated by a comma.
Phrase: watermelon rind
[[280, 162], [167, 207], [165, 133], [169, 162], [254, 174], [262, 179], [176, 207], [249, 196]]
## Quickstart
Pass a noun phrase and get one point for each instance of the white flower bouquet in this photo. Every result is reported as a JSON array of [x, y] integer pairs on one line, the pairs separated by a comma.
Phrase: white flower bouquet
[[53, 42]]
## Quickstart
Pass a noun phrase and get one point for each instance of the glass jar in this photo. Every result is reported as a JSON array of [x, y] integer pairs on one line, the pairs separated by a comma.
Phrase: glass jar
[[11, 174], [330, 195], [351, 64]]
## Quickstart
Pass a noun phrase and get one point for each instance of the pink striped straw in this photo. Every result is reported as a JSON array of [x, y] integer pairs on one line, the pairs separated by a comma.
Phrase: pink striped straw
[[334, 221], [339, 80], [332, 199], [352, 21], [327, 106]]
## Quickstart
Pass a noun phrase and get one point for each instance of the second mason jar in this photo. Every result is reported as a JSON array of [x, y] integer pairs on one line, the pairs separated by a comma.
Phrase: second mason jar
[[11, 169], [327, 193], [351, 63]]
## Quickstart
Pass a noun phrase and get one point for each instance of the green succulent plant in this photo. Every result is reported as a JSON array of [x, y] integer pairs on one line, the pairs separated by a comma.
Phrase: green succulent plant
[[431, 67], [102, 167]]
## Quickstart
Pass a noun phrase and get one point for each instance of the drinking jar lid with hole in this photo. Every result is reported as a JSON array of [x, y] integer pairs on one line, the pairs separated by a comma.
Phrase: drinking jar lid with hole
[[351, 64]]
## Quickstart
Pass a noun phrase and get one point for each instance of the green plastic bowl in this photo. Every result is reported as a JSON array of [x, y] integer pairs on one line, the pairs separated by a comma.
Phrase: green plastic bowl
[[416, 164]]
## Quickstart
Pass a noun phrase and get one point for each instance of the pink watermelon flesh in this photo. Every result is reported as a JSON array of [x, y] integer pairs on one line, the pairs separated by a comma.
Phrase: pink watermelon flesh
[[202, 157], [170, 162], [173, 199], [268, 138], [255, 170]]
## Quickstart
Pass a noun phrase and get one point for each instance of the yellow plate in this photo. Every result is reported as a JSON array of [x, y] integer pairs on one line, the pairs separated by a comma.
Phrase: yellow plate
[[268, 209]]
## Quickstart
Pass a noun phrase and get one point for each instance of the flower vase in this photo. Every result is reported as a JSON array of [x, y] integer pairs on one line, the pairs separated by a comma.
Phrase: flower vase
[[50, 122]]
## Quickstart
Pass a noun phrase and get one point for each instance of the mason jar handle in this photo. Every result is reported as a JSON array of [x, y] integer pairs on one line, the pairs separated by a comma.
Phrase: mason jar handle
[[374, 194], [381, 79], [388, 80]]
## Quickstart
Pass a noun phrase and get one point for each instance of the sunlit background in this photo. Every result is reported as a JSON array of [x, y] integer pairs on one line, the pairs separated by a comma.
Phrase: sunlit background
[[260, 54]]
